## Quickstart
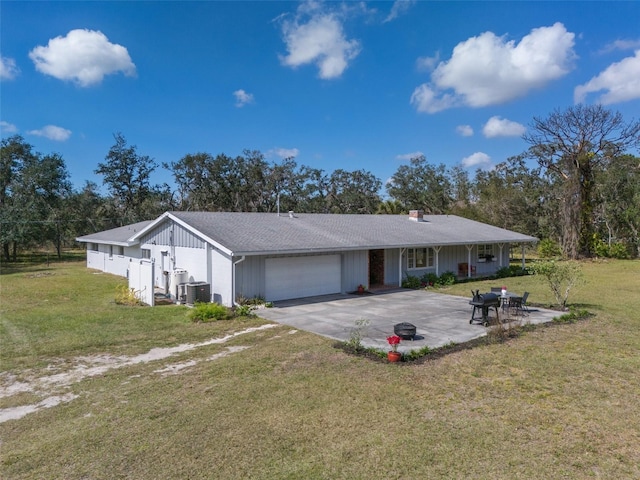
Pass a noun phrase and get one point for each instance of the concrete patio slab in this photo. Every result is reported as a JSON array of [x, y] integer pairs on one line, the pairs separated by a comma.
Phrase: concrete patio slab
[[439, 319]]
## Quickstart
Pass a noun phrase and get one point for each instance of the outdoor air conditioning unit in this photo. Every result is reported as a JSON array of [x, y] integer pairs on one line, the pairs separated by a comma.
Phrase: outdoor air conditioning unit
[[198, 292]]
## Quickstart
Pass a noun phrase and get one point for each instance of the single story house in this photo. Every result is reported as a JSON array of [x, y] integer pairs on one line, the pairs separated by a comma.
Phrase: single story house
[[295, 255]]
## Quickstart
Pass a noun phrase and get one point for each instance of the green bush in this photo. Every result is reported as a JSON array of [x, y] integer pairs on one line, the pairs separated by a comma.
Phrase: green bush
[[244, 310], [572, 316], [415, 354], [503, 272], [127, 296], [357, 333], [209, 312], [619, 251], [548, 248], [411, 281], [561, 277], [447, 278], [511, 271], [429, 279], [615, 250]]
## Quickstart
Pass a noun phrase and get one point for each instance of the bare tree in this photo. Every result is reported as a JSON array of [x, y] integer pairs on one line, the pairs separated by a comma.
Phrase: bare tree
[[573, 145]]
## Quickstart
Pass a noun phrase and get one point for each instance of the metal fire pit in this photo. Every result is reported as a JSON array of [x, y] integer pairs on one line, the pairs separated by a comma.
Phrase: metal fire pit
[[483, 302], [405, 330]]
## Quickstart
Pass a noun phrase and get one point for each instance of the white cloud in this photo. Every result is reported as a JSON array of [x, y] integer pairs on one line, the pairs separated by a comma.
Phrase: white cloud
[[489, 70], [286, 152], [8, 128], [477, 159], [409, 156], [501, 127], [83, 56], [320, 41], [8, 68], [242, 98], [428, 63], [621, 45], [52, 132], [425, 99], [464, 130], [400, 7], [620, 81]]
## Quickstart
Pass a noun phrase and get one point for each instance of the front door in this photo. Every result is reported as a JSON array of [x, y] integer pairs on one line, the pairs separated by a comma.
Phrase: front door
[[376, 268]]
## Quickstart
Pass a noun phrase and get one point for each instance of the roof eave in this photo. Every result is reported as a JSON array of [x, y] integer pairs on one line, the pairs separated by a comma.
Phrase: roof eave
[[299, 251], [102, 241]]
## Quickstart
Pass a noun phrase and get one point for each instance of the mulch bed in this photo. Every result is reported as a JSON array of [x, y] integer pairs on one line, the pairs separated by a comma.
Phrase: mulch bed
[[436, 353]]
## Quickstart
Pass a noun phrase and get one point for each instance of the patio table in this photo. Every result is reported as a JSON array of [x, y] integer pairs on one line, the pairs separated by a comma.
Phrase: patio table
[[506, 298]]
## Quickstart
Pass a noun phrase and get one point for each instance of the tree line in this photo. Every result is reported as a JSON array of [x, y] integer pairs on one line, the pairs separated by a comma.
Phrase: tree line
[[582, 195]]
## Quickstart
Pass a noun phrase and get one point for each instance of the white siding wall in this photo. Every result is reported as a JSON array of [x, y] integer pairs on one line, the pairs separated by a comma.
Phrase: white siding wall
[[95, 259], [103, 260], [194, 261], [221, 278], [174, 247]]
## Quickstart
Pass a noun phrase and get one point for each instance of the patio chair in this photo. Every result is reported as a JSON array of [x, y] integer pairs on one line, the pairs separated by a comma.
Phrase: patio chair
[[519, 304]]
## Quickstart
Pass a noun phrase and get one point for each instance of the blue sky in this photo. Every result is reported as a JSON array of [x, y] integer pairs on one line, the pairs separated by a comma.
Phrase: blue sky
[[351, 85]]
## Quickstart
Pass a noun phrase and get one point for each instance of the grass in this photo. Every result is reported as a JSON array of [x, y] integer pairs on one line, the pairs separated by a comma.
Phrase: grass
[[558, 402]]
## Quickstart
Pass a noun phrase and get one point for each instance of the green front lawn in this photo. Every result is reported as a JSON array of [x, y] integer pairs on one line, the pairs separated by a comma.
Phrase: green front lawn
[[558, 402]]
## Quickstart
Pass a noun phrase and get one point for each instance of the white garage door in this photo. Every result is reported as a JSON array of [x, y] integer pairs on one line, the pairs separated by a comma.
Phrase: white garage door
[[297, 277]]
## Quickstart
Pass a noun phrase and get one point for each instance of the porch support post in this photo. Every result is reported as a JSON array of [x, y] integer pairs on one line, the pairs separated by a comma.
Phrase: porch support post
[[469, 248], [523, 263], [437, 250], [402, 250], [500, 246]]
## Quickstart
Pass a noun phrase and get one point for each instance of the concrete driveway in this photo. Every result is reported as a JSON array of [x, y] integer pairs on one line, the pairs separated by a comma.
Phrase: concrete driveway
[[439, 318]]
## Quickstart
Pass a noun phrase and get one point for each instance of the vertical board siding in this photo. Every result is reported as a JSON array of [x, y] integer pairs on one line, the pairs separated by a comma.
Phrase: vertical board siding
[[181, 236], [355, 270], [391, 269], [250, 277]]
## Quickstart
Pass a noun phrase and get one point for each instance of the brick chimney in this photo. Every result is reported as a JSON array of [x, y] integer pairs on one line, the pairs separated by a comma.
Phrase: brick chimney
[[416, 215]]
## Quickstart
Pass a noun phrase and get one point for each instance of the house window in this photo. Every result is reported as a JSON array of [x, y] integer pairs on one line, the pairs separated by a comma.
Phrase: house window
[[485, 253], [420, 257], [120, 251], [93, 247], [146, 253]]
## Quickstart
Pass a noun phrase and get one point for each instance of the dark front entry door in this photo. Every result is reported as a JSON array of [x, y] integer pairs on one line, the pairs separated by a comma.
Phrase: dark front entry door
[[376, 267]]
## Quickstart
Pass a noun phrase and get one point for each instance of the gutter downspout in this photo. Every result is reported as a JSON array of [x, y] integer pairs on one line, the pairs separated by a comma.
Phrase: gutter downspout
[[233, 278]]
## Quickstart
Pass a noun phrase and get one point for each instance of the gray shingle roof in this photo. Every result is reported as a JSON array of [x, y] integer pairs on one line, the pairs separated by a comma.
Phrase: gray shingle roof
[[116, 236], [253, 233]]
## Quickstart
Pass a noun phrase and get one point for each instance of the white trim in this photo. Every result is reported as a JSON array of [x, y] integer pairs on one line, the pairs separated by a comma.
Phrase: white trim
[[183, 224], [429, 254], [437, 258]]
